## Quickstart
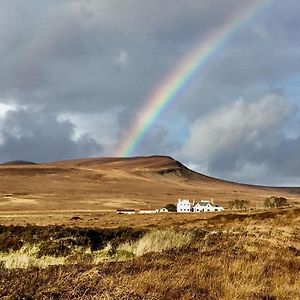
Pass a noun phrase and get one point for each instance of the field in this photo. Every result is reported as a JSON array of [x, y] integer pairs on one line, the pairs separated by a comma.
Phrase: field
[[251, 255], [60, 237]]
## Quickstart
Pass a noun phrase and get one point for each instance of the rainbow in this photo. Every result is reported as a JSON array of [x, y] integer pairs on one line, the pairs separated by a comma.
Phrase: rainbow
[[166, 93], [44, 39]]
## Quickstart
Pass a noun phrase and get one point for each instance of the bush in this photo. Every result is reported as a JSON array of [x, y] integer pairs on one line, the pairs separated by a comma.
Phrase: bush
[[171, 207], [239, 204], [275, 202]]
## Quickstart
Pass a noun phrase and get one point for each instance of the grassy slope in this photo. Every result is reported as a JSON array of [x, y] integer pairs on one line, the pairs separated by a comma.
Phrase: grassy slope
[[109, 183]]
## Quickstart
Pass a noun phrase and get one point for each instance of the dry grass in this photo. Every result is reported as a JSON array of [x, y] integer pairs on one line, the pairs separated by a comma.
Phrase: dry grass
[[103, 184], [27, 257], [157, 241], [247, 256]]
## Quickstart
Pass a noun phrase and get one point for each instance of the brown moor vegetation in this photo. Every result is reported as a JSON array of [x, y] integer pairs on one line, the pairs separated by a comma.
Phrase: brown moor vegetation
[[225, 256]]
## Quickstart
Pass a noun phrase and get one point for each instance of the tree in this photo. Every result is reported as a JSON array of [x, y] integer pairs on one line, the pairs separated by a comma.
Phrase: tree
[[239, 204], [281, 202], [276, 202], [171, 207], [268, 203]]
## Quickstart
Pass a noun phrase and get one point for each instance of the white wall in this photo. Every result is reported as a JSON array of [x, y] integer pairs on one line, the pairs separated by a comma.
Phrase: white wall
[[183, 206]]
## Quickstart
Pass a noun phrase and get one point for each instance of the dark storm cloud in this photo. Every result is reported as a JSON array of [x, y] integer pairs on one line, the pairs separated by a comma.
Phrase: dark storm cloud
[[67, 52], [40, 137]]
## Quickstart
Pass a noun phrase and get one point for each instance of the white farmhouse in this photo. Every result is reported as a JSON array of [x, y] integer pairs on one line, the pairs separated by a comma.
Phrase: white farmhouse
[[183, 205], [206, 206]]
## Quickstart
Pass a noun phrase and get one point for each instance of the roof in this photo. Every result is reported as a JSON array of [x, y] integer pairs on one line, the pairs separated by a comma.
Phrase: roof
[[204, 203]]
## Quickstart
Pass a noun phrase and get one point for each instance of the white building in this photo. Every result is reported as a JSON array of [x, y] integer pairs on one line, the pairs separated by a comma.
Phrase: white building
[[163, 210], [148, 211], [199, 206], [206, 206], [183, 206], [126, 211]]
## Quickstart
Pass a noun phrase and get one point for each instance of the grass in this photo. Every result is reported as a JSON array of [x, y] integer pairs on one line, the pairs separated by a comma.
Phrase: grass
[[27, 257], [157, 241], [232, 257], [110, 254]]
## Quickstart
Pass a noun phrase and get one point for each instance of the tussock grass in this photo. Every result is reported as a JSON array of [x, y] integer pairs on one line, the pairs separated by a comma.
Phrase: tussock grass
[[157, 241], [27, 257], [251, 259], [153, 241], [110, 254], [102, 255]]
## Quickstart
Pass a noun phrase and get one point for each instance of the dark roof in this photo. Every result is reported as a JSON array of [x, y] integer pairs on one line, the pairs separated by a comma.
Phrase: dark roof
[[204, 203]]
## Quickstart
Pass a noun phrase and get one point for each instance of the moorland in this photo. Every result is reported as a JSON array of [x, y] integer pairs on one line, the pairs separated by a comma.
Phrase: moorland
[[105, 184], [250, 255], [60, 237]]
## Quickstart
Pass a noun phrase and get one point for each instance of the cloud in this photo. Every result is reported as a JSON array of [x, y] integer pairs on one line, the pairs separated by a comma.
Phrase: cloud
[[39, 136], [121, 59], [103, 127], [61, 54], [245, 141], [238, 124], [4, 108]]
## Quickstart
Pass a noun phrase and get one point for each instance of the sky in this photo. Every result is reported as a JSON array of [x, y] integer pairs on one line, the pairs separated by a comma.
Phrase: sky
[[75, 76]]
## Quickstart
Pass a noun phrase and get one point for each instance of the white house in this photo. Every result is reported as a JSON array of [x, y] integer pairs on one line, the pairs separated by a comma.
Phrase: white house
[[199, 206], [206, 206], [183, 205]]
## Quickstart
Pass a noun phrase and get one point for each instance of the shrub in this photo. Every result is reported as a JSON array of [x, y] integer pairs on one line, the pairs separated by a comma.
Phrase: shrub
[[275, 202], [171, 207], [239, 204]]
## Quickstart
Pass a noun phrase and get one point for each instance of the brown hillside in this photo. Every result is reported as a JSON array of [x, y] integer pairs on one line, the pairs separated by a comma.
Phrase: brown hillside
[[110, 183]]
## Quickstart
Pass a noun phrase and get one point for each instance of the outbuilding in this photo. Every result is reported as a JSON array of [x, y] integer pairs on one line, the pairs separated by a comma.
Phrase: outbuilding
[[126, 211]]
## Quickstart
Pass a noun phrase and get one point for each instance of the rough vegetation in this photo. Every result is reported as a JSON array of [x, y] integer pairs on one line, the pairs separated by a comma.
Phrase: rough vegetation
[[276, 202], [238, 204], [231, 256]]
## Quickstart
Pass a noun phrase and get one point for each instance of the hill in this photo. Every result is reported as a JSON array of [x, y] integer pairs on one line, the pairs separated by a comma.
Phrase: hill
[[110, 183], [18, 163]]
